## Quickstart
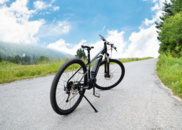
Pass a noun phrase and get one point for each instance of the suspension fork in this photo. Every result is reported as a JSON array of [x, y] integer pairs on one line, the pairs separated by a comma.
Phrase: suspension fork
[[106, 66]]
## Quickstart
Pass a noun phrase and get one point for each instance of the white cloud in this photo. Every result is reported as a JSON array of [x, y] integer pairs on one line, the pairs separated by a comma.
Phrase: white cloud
[[15, 24], [118, 40], [52, 1], [143, 44], [3, 1], [104, 27], [56, 8], [61, 45], [41, 5], [114, 36], [148, 22], [54, 29], [156, 7]]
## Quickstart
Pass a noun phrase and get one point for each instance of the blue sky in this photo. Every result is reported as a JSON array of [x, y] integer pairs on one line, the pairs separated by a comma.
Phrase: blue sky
[[66, 24]]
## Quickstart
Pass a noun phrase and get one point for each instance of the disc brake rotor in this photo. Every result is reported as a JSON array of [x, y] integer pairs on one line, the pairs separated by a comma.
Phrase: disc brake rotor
[[109, 78]]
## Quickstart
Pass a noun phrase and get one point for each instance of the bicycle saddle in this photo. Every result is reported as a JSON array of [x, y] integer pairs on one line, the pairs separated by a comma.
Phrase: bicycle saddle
[[87, 47]]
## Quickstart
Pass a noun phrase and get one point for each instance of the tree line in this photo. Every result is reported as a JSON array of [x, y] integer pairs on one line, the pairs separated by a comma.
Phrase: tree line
[[170, 29], [25, 60]]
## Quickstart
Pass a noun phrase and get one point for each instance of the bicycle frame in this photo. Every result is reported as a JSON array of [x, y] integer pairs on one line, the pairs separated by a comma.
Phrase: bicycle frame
[[87, 73]]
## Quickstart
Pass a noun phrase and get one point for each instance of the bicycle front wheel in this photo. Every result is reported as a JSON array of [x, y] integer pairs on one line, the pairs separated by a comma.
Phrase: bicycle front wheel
[[116, 71], [65, 93]]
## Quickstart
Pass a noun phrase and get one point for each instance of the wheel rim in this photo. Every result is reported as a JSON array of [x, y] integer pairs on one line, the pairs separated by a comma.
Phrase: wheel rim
[[66, 98], [115, 74]]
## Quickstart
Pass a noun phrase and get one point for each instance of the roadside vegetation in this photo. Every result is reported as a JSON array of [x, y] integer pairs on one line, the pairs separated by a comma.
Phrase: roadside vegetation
[[10, 71], [170, 72], [169, 65], [123, 60]]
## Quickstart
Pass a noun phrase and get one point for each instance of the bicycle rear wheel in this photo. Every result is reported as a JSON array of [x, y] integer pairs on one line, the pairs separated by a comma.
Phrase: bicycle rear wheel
[[65, 94], [117, 72]]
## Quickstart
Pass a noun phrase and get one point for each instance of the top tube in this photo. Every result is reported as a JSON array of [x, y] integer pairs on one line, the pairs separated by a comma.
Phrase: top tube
[[96, 56]]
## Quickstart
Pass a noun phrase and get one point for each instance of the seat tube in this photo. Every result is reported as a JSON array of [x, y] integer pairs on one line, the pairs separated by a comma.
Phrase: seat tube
[[88, 63]]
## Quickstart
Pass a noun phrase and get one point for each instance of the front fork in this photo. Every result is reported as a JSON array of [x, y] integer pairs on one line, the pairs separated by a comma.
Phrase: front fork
[[106, 66]]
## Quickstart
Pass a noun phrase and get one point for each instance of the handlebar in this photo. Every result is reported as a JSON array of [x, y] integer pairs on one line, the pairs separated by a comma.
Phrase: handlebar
[[112, 45], [102, 38]]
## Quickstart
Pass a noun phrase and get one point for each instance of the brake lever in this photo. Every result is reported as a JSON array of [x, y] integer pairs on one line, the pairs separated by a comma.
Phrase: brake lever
[[115, 48], [112, 46]]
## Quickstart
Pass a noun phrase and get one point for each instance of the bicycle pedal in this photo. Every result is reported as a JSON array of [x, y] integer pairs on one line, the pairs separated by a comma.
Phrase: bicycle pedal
[[97, 95]]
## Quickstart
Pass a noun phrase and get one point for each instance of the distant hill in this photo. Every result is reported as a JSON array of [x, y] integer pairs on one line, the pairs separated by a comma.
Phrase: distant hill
[[13, 49]]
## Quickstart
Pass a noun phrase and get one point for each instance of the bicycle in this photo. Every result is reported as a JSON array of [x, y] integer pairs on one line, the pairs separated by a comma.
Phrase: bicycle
[[74, 77]]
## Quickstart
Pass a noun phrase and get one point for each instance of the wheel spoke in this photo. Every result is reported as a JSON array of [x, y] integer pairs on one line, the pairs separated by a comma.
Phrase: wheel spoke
[[116, 72], [61, 95]]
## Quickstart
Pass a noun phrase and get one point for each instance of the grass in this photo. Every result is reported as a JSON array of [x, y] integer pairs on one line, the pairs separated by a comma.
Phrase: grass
[[170, 72], [133, 59], [11, 72]]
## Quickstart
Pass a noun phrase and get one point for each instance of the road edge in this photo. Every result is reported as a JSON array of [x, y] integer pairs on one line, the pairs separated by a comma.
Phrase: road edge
[[170, 91]]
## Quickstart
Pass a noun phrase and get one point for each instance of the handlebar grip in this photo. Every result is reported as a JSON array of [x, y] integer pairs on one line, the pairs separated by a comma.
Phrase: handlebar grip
[[82, 46]]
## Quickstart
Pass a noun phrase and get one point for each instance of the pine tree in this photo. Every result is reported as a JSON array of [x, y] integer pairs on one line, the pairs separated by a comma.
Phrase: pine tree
[[167, 13], [34, 59], [18, 59], [80, 54], [1, 59]]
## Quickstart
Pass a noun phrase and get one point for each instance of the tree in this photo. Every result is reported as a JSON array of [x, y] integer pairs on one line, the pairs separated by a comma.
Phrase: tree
[[1, 59], [171, 33], [167, 12], [12, 60], [26, 60], [43, 59], [34, 59], [80, 54], [177, 6], [9, 58], [18, 59]]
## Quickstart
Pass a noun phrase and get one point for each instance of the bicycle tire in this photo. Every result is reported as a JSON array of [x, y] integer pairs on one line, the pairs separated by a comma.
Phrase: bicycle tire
[[102, 80], [63, 73]]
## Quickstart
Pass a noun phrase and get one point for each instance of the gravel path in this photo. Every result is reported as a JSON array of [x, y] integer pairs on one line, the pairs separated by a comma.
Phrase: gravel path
[[139, 102]]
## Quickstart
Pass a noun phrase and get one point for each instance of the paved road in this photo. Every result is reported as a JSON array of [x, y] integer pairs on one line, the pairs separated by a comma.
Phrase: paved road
[[139, 102]]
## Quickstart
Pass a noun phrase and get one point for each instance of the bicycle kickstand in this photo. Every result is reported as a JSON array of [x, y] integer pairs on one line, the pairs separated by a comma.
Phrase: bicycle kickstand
[[89, 102]]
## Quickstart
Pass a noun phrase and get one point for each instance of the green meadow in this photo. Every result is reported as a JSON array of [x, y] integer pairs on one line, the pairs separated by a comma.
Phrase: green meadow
[[10, 72]]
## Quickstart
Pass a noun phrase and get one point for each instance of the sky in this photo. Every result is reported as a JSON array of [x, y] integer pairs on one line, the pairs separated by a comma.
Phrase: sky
[[65, 25]]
